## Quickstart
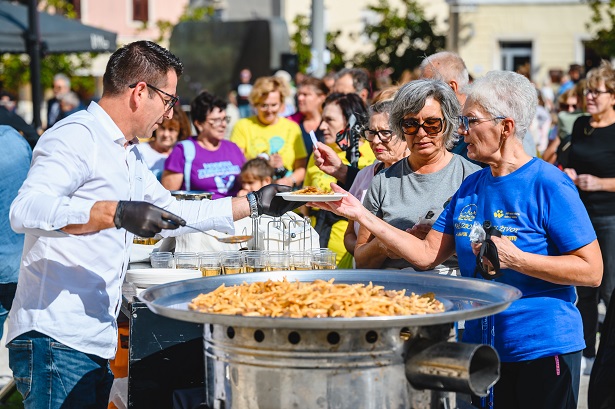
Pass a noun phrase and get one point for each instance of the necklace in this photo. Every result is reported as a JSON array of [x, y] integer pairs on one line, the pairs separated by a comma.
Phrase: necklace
[[588, 131]]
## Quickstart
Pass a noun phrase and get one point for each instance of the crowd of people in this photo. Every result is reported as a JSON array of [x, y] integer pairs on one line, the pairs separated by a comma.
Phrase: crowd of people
[[424, 163]]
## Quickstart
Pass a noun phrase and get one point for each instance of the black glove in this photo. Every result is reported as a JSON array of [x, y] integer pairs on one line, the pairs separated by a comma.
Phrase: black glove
[[144, 219], [270, 204]]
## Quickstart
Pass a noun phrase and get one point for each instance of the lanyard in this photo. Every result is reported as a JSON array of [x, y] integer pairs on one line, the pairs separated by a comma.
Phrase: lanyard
[[488, 337]]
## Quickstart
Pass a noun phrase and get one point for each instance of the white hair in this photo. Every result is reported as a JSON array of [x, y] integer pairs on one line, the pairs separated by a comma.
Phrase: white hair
[[505, 93]]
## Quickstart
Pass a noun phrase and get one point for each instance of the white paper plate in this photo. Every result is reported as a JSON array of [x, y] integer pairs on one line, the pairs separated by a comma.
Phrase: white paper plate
[[147, 277], [291, 197]]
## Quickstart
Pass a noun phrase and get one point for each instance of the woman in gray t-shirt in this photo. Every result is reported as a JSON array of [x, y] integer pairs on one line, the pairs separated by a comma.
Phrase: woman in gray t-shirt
[[425, 112]]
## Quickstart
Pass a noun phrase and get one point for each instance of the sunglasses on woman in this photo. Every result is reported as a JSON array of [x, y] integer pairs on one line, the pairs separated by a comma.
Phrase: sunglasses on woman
[[431, 126]]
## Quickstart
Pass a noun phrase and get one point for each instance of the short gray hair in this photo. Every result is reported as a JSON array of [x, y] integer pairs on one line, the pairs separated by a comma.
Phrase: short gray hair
[[62, 77], [505, 93], [410, 99], [446, 66]]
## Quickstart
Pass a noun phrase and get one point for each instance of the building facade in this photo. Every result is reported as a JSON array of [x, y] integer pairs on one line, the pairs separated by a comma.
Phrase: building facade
[[542, 36]]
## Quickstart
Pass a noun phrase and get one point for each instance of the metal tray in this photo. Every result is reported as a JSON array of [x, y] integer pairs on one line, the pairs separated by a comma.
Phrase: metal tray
[[469, 298]]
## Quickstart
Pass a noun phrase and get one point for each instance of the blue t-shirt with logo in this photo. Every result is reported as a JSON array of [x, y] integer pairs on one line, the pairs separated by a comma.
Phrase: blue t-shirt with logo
[[538, 208]]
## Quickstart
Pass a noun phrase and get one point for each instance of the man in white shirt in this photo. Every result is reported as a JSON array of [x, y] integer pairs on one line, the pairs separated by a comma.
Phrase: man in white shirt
[[87, 193]]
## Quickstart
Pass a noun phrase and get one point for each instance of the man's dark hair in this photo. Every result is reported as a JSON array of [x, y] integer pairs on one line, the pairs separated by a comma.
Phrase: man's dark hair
[[204, 104], [139, 61]]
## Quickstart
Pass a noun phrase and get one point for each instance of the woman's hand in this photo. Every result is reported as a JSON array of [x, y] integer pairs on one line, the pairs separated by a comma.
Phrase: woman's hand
[[349, 206], [419, 230], [327, 160], [572, 174], [508, 253], [386, 250], [589, 183], [275, 160]]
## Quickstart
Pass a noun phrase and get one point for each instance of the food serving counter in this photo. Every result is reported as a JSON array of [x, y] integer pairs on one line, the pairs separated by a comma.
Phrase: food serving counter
[[165, 356]]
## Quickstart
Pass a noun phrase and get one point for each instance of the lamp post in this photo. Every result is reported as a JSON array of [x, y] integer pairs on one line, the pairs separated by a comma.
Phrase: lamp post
[[318, 38], [33, 41]]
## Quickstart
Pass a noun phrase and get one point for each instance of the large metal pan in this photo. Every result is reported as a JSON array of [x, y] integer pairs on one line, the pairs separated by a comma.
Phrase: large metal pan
[[464, 298]]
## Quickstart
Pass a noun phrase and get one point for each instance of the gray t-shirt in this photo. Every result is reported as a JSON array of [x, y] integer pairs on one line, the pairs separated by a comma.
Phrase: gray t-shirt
[[400, 196]]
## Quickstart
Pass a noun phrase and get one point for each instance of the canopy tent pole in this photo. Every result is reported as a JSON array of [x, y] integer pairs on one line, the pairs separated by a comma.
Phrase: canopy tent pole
[[33, 40]]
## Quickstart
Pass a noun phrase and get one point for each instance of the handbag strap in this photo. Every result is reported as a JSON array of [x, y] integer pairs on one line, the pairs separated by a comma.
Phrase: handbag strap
[[490, 252], [189, 154]]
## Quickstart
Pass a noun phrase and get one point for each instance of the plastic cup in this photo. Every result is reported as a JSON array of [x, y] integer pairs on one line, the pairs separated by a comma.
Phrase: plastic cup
[[209, 264], [232, 262], [255, 261], [300, 261], [323, 259], [161, 259], [278, 260], [187, 260]]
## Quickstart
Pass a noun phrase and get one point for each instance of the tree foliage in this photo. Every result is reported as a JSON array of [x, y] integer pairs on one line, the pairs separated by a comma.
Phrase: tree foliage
[[401, 38], [15, 68], [301, 44], [603, 22]]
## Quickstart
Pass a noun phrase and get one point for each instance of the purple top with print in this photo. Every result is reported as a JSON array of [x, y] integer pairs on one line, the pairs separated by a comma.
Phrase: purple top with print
[[212, 171]]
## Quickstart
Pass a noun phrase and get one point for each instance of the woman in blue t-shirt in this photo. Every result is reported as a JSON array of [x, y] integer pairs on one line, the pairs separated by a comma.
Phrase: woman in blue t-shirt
[[547, 245]]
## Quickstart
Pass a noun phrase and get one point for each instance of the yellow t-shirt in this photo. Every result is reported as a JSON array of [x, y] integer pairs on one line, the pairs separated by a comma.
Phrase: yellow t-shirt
[[283, 137], [366, 155]]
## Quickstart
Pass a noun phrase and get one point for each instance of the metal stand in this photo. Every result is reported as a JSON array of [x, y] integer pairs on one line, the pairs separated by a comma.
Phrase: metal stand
[[7, 391], [290, 229]]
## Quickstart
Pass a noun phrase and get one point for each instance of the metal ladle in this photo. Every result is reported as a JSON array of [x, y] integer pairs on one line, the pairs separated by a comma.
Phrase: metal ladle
[[229, 239]]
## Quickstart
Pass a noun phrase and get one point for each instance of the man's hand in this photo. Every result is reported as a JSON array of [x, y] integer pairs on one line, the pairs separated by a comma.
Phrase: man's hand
[[144, 219], [270, 204]]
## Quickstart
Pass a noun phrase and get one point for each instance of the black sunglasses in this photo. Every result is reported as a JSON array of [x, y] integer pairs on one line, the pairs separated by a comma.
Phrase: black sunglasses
[[169, 103]]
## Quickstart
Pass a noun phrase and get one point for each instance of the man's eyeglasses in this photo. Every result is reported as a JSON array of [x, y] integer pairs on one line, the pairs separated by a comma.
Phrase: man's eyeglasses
[[465, 122], [431, 126], [168, 103], [385, 135], [219, 121], [595, 92]]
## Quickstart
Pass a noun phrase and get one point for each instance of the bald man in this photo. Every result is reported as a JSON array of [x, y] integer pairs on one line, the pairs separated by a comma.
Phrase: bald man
[[449, 67]]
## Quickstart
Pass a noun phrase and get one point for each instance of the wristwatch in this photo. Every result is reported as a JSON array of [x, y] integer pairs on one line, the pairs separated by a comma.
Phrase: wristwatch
[[253, 205]]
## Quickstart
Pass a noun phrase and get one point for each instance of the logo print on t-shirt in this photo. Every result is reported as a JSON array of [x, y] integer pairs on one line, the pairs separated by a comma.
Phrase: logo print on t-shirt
[[468, 213], [224, 183], [275, 144]]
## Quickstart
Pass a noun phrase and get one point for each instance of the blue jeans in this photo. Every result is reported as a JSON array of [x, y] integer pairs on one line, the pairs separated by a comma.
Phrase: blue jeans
[[7, 294], [51, 375]]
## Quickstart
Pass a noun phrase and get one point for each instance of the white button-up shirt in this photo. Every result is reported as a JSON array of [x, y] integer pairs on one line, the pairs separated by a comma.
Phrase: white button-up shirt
[[69, 286]]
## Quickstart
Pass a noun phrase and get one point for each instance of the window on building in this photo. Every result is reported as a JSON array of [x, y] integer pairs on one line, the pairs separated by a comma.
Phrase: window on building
[[516, 56], [592, 57], [140, 10]]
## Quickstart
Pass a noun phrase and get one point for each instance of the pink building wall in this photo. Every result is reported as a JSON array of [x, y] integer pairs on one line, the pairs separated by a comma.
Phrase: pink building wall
[[116, 16]]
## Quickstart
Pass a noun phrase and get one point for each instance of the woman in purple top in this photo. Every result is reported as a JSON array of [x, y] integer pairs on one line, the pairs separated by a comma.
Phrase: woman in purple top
[[216, 162]]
